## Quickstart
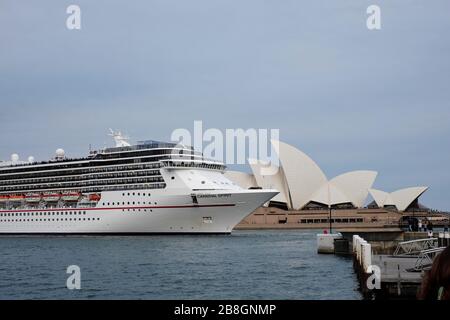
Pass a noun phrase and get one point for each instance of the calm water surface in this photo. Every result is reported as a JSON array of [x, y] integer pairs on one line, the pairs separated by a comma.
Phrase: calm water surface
[[244, 265]]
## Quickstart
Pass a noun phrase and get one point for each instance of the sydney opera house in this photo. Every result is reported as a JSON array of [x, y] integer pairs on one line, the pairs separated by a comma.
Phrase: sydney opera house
[[303, 185]]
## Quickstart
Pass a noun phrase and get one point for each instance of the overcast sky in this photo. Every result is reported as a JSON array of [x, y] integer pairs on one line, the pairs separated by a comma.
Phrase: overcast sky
[[349, 97]]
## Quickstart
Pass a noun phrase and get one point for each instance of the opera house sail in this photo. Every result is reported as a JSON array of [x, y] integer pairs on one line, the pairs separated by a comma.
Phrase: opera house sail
[[302, 184]]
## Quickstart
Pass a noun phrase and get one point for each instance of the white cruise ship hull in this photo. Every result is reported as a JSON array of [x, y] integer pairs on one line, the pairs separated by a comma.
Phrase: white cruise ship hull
[[216, 212]]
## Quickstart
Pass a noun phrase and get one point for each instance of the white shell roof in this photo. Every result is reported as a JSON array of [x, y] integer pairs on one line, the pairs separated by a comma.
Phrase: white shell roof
[[302, 174], [301, 181], [402, 198], [270, 177]]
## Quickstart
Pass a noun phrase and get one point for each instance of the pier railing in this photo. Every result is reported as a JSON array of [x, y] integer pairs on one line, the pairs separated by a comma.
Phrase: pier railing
[[415, 247], [426, 257]]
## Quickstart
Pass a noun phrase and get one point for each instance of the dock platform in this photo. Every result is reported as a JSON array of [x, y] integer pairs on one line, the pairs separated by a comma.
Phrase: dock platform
[[394, 276]]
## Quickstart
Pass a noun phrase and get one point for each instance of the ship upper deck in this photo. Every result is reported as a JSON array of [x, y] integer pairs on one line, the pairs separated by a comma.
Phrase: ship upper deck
[[120, 167]]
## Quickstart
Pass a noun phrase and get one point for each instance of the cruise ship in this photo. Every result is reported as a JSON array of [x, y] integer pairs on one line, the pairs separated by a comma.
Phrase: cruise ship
[[146, 188]]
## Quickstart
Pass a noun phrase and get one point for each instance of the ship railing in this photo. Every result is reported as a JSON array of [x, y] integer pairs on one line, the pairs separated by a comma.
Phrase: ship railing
[[415, 247]]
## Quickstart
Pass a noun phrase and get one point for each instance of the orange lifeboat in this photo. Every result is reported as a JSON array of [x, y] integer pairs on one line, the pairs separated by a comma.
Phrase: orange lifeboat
[[94, 197], [33, 197], [4, 198], [16, 198], [71, 196], [51, 196]]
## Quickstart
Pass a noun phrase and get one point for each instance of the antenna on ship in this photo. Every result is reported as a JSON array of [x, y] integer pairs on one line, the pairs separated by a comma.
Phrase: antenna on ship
[[119, 138]]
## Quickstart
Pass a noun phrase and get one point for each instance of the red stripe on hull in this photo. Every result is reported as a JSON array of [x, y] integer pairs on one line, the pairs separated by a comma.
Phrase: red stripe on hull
[[120, 208]]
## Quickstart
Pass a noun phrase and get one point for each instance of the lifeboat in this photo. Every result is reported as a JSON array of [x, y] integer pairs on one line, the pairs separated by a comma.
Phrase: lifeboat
[[33, 197], [94, 197], [51, 196], [4, 198], [71, 196], [17, 198]]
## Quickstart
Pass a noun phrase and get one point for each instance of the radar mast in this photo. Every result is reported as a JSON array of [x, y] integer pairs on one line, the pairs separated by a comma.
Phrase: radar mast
[[119, 139]]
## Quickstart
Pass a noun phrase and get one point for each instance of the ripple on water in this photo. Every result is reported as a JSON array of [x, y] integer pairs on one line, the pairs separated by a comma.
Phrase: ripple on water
[[246, 265]]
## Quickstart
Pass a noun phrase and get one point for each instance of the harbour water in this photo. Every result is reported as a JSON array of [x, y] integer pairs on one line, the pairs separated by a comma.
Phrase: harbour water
[[260, 264]]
